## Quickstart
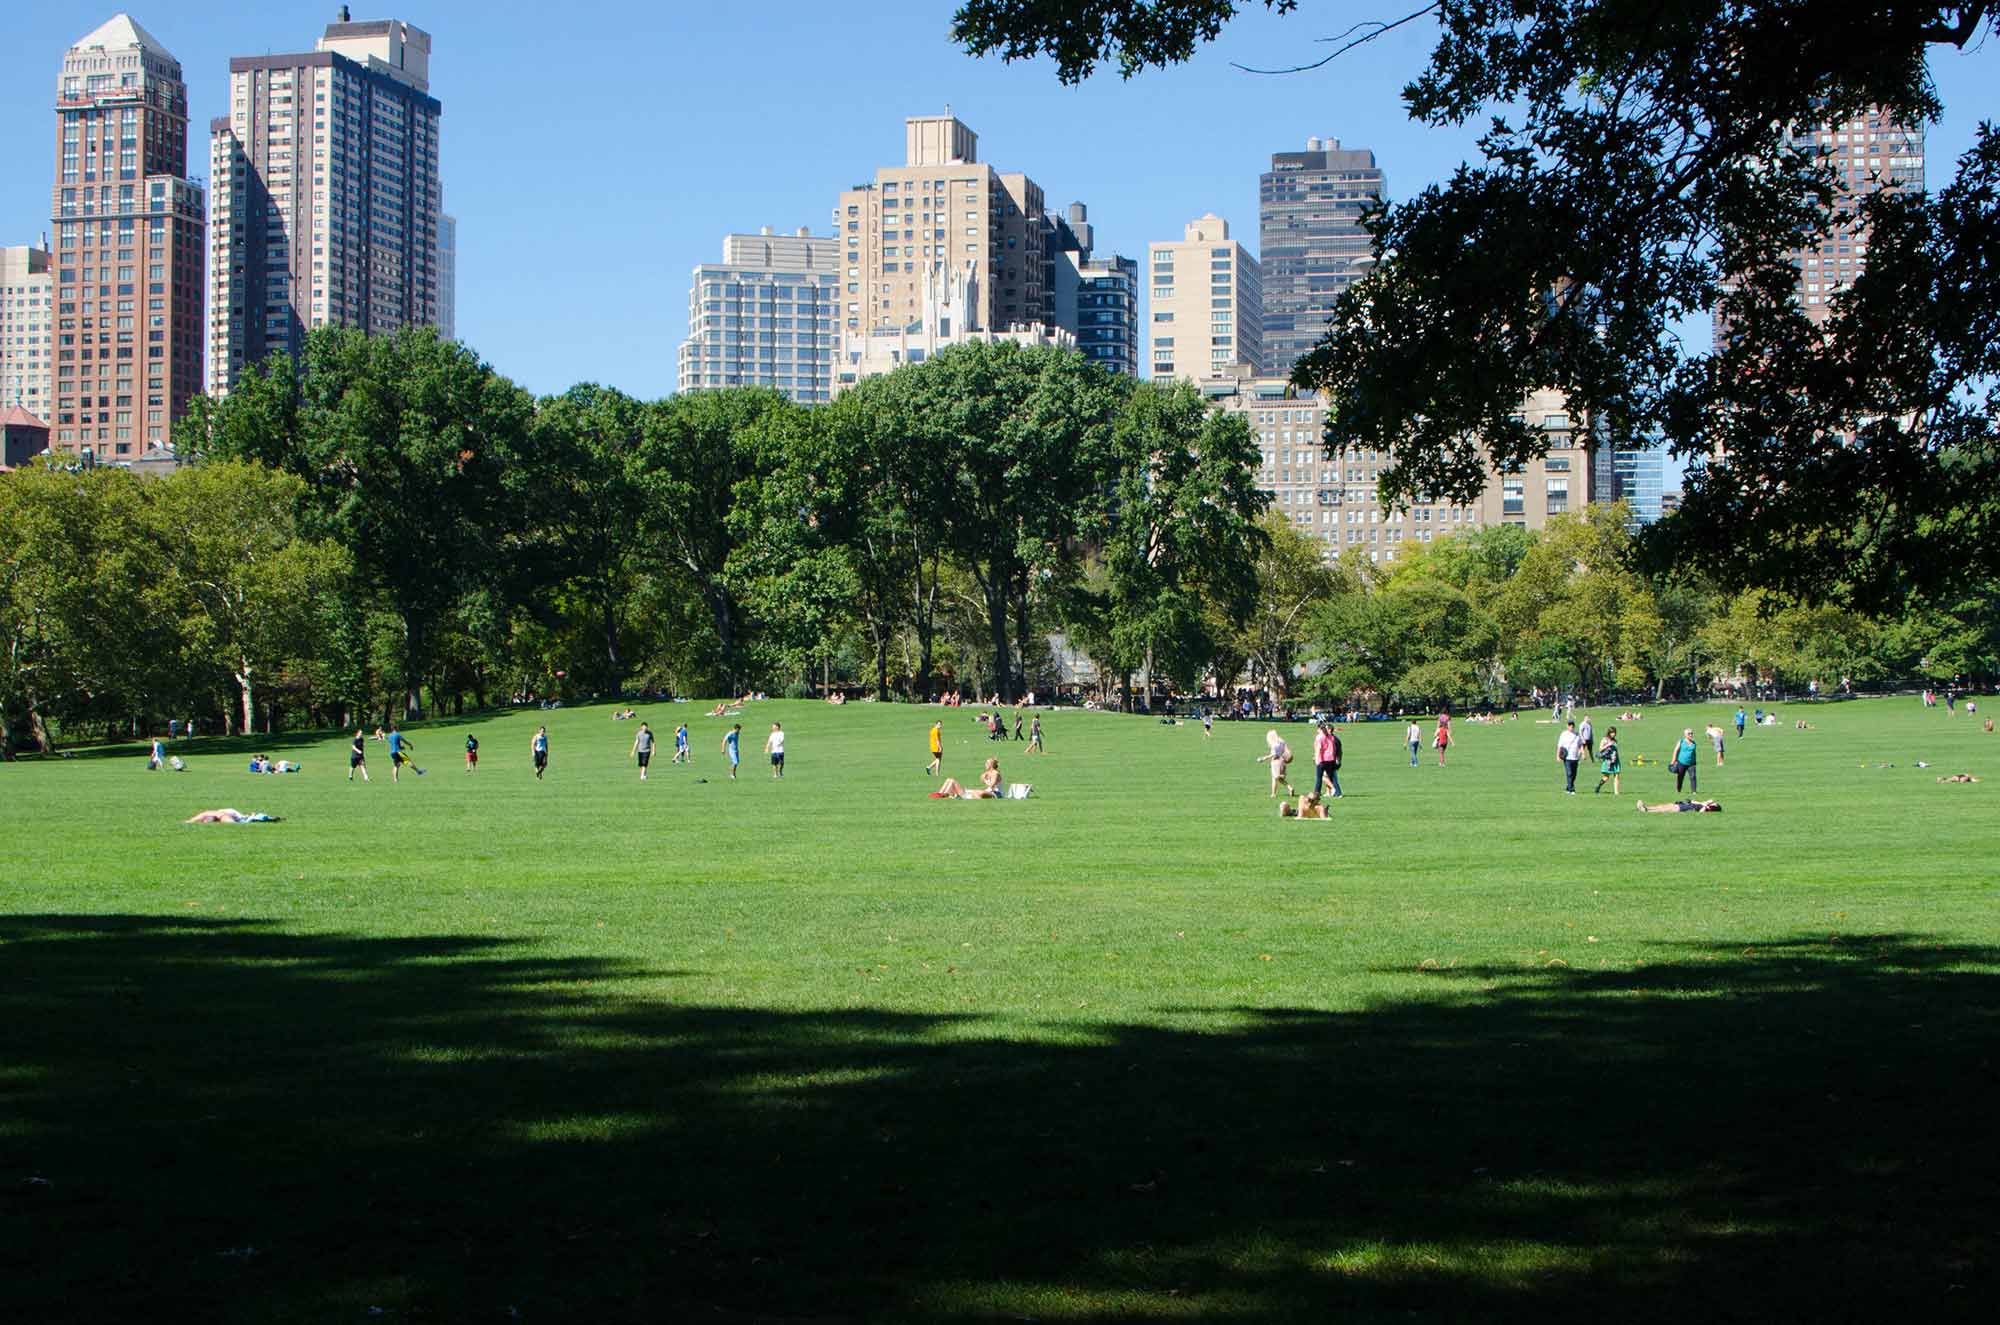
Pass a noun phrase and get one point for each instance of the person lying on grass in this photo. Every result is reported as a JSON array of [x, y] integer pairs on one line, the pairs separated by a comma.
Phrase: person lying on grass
[[1310, 806], [1682, 807], [227, 816], [1959, 777]]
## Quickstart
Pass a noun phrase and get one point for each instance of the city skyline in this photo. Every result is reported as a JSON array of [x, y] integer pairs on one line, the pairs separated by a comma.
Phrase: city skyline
[[1147, 155]]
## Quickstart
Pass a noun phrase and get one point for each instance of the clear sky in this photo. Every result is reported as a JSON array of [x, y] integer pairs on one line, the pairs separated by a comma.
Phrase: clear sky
[[594, 151]]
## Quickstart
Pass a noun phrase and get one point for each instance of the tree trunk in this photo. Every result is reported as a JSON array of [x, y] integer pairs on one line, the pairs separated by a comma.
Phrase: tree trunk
[[996, 620], [926, 626], [1021, 650], [613, 654], [881, 637], [413, 681], [243, 679], [724, 613]]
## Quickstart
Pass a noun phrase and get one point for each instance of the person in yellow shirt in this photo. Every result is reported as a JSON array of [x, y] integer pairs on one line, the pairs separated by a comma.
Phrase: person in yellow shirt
[[937, 747]]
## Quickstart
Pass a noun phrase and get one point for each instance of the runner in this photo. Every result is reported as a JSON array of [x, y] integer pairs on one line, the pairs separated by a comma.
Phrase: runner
[[357, 755], [732, 746], [774, 746], [682, 755], [936, 764], [1207, 723], [539, 747], [471, 753], [642, 749]]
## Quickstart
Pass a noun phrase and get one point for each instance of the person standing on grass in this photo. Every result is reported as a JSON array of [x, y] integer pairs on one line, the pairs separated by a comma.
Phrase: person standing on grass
[[357, 755], [936, 764], [1413, 736], [539, 748], [1569, 749], [1739, 722], [400, 750], [1442, 740], [1714, 734], [774, 746], [1207, 723], [471, 753], [1586, 739], [1279, 756], [1326, 758], [156, 756], [732, 745], [1035, 737], [1608, 766], [1686, 762], [682, 754], [1017, 724], [642, 749]]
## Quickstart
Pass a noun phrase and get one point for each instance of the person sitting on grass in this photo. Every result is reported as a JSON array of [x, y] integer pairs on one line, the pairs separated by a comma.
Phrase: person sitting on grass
[[1959, 777], [1310, 806], [990, 787], [1682, 807], [227, 816]]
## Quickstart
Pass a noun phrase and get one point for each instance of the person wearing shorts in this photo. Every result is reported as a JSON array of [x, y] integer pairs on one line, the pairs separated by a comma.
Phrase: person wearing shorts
[[682, 755], [732, 745], [357, 755], [399, 754], [936, 764], [774, 745], [471, 753], [540, 749], [642, 749]]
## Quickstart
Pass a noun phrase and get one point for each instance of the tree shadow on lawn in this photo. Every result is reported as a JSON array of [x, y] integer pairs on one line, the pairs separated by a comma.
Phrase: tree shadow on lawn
[[207, 1119], [301, 738]]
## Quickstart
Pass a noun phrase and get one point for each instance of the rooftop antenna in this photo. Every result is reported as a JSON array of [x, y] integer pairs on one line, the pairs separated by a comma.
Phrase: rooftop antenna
[[343, 15]]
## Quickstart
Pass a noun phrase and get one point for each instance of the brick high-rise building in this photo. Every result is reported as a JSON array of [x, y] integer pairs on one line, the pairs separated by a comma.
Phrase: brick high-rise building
[[1208, 305], [27, 330], [942, 211], [1309, 209], [128, 243], [1869, 153], [327, 202]]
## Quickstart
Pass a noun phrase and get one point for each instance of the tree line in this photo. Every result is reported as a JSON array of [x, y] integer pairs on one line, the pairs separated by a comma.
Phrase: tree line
[[389, 526]]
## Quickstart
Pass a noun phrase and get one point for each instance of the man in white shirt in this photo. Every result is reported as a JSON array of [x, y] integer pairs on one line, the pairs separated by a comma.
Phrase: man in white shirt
[[774, 745], [1569, 748]]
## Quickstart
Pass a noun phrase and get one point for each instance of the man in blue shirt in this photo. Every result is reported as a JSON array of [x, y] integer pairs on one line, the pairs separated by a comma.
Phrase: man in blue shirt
[[731, 746], [1739, 722], [400, 750]]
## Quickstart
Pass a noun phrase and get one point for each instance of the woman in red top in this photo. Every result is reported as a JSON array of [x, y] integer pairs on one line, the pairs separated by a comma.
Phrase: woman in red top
[[1443, 738]]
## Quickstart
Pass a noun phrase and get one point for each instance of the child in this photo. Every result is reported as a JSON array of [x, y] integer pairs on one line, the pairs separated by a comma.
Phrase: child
[[471, 753], [682, 755]]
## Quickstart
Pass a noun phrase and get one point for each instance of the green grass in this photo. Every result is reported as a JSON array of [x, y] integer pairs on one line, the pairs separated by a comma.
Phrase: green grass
[[473, 1049]]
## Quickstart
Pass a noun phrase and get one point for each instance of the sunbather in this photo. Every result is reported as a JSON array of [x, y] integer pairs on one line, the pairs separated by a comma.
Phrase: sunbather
[[227, 816]]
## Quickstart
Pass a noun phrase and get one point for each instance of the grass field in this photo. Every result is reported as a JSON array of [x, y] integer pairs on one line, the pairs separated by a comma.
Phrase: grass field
[[474, 1048]]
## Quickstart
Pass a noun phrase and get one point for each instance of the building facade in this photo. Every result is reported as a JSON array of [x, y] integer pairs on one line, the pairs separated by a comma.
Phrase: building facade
[[1642, 481], [940, 211], [128, 226], [1869, 153], [1095, 299], [23, 436], [447, 276], [1332, 499], [766, 315], [27, 330], [945, 317], [1207, 311], [1310, 239], [327, 202]]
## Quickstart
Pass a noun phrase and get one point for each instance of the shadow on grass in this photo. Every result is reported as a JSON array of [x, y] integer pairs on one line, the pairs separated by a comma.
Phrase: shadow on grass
[[205, 1119], [189, 747]]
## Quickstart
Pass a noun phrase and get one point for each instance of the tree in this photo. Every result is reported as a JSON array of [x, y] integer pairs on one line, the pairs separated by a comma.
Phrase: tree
[[1183, 534], [1647, 164], [401, 442], [1576, 594], [255, 592], [1021, 432], [1292, 578]]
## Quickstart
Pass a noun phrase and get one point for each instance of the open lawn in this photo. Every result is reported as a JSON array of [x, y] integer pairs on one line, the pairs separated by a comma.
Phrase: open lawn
[[474, 1048]]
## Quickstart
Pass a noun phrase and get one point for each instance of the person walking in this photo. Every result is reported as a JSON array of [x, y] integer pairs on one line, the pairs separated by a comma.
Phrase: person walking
[[682, 755], [357, 755], [1326, 758], [1586, 739], [1608, 766], [1017, 724], [642, 749], [471, 753], [1279, 756], [1569, 749], [1686, 763], [1035, 746], [1207, 723], [539, 748], [774, 746], [1413, 736], [732, 745], [1714, 734], [936, 764], [1739, 722], [1442, 740], [156, 755]]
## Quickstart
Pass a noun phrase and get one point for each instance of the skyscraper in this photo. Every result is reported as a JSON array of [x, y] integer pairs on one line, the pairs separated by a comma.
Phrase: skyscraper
[[765, 316], [1309, 210], [447, 276], [128, 230], [1094, 299], [27, 330], [327, 199], [1642, 480], [1869, 153], [940, 211], [1208, 304]]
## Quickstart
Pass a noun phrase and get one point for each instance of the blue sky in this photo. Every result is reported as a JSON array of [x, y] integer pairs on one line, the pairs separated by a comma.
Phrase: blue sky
[[594, 157]]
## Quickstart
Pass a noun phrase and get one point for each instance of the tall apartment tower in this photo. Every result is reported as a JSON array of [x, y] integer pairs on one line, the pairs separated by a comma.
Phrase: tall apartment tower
[[766, 315], [1309, 209], [27, 331], [1208, 305], [447, 276], [1095, 299], [1869, 153], [327, 201], [940, 211], [128, 241]]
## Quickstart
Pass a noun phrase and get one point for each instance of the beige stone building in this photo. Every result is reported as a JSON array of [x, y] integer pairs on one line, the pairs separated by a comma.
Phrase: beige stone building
[[943, 320], [1334, 499], [27, 327], [941, 210], [1207, 316]]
